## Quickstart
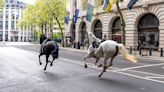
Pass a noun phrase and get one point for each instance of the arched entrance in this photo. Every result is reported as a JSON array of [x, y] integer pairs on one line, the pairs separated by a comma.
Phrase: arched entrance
[[116, 30], [82, 32], [148, 32], [98, 29]]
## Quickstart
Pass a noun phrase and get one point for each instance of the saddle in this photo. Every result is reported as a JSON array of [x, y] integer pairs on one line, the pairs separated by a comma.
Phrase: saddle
[[97, 44]]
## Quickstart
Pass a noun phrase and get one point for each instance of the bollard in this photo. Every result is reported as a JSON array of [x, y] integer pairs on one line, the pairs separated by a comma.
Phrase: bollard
[[78, 45], [150, 51], [130, 49], [161, 52]]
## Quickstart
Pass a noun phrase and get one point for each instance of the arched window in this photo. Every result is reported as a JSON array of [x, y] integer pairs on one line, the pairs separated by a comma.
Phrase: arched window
[[148, 20], [116, 30], [148, 32], [98, 29]]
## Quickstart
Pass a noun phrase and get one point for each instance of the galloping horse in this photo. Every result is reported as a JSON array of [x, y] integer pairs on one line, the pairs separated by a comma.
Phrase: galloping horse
[[105, 49], [48, 48]]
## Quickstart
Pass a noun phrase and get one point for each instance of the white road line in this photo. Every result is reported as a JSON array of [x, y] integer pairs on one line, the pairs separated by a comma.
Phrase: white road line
[[144, 73], [129, 68], [155, 77], [115, 69], [91, 66], [144, 78]]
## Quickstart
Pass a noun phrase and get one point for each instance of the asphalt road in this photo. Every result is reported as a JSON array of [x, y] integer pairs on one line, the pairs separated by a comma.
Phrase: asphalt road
[[20, 72]]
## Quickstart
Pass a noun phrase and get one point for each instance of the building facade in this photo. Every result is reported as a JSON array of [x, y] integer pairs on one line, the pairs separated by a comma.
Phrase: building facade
[[144, 23], [10, 14]]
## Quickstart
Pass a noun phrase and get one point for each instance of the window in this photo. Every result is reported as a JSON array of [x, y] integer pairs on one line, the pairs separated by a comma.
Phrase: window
[[12, 25], [6, 25], [149, 20], [1, 25], [98, 29], [1, 16]]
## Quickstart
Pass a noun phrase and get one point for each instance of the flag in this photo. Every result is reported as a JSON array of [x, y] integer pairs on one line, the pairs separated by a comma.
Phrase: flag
[[75, 17], [107, 5], [89, 12], [131, 3], [66, 19]]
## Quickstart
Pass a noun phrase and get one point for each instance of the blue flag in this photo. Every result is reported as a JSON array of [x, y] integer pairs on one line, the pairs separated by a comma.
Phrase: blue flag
[[66, 19], [89, 12], [75, 17], [131, 4]]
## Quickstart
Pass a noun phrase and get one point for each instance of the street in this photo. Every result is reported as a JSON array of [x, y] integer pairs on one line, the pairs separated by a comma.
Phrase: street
[[20, 72]]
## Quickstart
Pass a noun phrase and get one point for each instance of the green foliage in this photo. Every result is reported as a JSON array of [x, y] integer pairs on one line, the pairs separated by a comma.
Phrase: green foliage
[[84, 4], [57, 35], [1, 3], [43, 14]]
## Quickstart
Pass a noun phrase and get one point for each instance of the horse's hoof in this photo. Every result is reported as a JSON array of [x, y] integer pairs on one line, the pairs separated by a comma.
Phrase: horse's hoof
[[99, 76], [44, 69], [100, 65], [85, 66], [40, 63], [51, 64]]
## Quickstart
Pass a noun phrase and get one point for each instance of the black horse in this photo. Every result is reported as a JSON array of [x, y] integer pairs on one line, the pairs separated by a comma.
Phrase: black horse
[[48, 48]]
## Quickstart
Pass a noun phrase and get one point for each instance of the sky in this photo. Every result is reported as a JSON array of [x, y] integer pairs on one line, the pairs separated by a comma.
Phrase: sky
[[28, 1]]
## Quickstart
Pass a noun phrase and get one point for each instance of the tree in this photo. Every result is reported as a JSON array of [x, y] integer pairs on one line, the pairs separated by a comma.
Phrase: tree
[[56, 7], [122, 21], [43, 15], [1, 3]]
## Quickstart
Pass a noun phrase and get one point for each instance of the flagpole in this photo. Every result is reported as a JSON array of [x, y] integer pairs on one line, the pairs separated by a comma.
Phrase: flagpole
[[122, 22]]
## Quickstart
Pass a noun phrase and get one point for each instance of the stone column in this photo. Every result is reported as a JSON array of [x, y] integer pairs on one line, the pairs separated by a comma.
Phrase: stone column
[[4, 23], [161, 37]]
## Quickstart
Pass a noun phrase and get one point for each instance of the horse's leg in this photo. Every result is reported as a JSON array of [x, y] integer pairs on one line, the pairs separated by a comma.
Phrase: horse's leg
[[104, 68], [87, 56], [52, 62], [39, 58], [111, 61], [97, 59], [47, 56]]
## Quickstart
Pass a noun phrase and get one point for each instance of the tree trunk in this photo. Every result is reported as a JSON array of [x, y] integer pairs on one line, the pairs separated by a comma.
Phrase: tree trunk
[[51, 28], [60, 30], [42, 26], [56, 18], [122, 22]]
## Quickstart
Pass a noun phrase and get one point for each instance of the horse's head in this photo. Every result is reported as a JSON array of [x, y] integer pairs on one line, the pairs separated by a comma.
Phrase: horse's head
[[42, 38], [90, 38]]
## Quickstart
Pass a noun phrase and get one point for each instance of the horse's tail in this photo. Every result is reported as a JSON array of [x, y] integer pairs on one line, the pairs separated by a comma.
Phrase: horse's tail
[[125, 54]]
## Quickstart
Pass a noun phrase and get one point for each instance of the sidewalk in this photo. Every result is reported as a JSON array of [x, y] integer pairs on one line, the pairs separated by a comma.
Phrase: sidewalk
[[155, 54]]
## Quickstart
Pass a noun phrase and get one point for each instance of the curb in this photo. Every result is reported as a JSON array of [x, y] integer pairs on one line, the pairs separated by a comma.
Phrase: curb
[[137, 56]]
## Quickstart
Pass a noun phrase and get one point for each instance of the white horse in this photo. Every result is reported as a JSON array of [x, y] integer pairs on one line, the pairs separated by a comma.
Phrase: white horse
[[106, 49]]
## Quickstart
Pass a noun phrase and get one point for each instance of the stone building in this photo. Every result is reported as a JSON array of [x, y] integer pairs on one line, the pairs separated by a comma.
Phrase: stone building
[[10, 14], [144, 24]]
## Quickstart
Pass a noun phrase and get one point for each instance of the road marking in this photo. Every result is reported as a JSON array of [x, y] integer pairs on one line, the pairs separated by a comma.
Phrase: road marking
[[119, 72], [156, 77], [144, 73], [129, 68], [114, 71]]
